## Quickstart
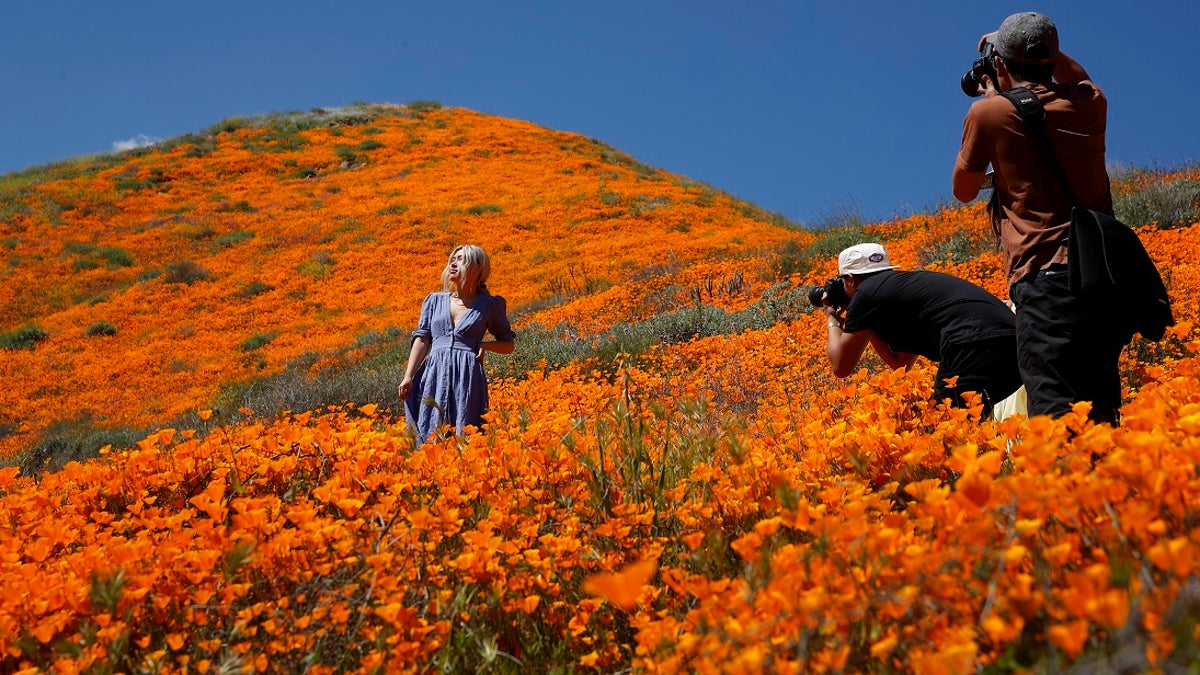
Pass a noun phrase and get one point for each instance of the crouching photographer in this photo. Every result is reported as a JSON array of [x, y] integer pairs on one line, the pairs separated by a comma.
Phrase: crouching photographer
[[967, 331]]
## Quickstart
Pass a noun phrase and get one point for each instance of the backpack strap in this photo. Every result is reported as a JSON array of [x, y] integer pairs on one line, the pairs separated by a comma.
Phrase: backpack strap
[[1034, 115], [1027, 104]]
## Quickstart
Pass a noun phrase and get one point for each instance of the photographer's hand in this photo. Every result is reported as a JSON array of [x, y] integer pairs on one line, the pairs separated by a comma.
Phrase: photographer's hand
[[832, 319]]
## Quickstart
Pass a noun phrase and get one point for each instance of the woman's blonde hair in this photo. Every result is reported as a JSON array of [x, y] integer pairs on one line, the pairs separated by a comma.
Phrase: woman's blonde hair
[[476, 267]]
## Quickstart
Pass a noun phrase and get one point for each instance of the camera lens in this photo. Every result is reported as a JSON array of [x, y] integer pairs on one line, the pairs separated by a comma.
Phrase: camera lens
[[969, 84]]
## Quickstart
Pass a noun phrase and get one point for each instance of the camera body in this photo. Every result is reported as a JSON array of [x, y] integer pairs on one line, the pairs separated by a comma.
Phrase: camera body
[[972, 80], [833, 293]]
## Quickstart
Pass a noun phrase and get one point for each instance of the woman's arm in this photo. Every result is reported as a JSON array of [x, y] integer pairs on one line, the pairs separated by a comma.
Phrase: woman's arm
[[497, 346], [416, 356], [500, 328]]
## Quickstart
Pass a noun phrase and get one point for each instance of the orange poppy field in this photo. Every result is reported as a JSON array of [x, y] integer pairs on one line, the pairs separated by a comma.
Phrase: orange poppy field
[[711, 499]]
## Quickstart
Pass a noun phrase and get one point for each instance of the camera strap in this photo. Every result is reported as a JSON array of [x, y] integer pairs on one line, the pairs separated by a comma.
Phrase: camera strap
[[1031, 111]]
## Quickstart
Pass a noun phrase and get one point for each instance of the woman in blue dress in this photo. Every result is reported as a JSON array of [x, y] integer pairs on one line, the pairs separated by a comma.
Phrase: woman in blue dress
[[444, 383]]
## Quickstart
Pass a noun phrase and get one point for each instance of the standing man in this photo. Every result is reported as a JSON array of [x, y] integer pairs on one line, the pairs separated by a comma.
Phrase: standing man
[[1068, 349], [967, 331]]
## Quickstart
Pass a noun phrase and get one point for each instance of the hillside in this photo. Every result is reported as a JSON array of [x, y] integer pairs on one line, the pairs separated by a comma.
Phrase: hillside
[[670, 480], [151, 281]]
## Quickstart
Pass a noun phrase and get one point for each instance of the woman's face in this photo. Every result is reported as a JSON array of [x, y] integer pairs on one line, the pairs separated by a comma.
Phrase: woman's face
[[456, 267]]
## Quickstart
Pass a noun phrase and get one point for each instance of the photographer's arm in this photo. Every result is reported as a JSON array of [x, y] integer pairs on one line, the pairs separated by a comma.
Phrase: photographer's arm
[[967, 184], [892, 358], [1068, 71], [844, 349]]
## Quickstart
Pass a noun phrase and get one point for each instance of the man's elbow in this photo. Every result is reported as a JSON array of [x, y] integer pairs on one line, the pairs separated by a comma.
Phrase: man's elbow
[[965, 195], [966, 185], [843, 369], [966, 190]]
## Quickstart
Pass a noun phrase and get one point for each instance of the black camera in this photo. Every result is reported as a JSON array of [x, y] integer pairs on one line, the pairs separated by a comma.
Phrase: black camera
[[833, 293], [972, 80]]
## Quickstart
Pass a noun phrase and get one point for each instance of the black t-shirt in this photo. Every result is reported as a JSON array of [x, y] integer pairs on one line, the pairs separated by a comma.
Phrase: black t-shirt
[[922, 312]]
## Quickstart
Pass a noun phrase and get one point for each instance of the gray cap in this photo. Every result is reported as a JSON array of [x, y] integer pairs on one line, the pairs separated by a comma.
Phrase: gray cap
[[1028, 37]]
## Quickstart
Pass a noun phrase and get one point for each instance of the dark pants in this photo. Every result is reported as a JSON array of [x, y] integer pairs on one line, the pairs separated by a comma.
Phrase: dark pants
[[988, 367], [1067, 348]]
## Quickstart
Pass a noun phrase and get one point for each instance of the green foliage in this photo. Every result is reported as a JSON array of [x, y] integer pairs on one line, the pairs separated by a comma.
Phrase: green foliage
[[27, 337], [229, 125], [254, 288], [796, 260], [550, 348], [257, 341], [235, 237], [115, 256], [101, 328], [424, 106], [240, 206], [1173, 204], [393, 210], [130, 181], [76, 440], [347, 154], [184, 272], [481, 209], [92, 256], [392, 335], [318, 267], [961, 247]]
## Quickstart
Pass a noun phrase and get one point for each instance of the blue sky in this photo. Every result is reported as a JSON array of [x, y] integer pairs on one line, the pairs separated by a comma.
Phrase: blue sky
[[809, 109]]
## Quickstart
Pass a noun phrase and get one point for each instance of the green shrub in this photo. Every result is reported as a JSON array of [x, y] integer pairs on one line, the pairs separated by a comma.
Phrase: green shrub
[[424, 106], [1172, 205], [393, 210], [115, 256], [254, 288], [78, 248], [961, 247], [101, 329], [235, 237], [74, 440], [22, 338], [795, 260], [229, 125], [257, 341], [184, 272], [306, 172], [319, 266], [480, 209], [368, 145], [240, 206], [129, 181]]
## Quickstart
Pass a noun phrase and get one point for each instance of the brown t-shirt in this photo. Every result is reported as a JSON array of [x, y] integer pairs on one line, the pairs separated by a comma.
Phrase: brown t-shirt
[[1034, 210]]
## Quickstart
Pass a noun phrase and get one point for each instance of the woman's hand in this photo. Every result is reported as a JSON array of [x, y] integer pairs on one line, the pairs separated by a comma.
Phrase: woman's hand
[[405, 387], [479, 356]]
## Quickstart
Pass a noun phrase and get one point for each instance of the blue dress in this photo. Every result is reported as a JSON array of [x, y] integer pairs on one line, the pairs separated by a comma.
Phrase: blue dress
[[450, 386]]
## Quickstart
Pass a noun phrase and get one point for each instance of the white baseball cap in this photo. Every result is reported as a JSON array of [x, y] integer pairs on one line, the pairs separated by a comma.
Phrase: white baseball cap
[[863, 259]]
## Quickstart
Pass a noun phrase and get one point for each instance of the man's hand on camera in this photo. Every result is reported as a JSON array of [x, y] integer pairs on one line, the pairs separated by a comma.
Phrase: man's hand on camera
[[832, 318]]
